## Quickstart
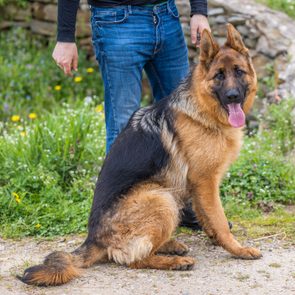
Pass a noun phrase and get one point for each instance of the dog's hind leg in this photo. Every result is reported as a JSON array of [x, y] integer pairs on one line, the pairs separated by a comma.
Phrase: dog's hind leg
[[143, 223], [173, 247], [165, 263]]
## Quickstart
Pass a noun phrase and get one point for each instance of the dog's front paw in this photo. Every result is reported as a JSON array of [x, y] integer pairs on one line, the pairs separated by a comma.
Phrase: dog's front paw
[[183, 263], [249, 253]]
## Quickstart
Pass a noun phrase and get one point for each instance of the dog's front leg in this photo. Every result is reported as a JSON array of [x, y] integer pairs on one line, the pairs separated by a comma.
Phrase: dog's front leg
[[206, 198]]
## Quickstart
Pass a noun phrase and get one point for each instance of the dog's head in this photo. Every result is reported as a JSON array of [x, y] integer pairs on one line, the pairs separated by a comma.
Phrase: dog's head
[[225, 78]]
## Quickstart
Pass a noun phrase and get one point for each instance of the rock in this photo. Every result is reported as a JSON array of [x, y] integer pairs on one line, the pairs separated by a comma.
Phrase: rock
[[253, 32], [244, 30], [16, 13], [83, 28], [260, 63], [267, 48], [45, 12], [8, 24], [215, 11], [219, 31], [237, 20], [220, 40], [220, 19], [250, 43], [48, 1], [183, 7], [184, 19], [43, 28], [86, 43]]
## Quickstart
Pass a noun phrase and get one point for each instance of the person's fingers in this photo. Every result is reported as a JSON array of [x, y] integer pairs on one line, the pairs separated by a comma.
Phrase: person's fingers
[[75, 63], [194, 34], [67, 69]]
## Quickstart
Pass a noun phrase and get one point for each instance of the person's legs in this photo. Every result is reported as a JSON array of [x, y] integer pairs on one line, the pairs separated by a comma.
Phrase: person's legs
[[170, 62], [123, 42]]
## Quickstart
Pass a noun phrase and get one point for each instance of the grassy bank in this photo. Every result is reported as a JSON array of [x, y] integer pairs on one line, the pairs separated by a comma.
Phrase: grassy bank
[[286, 6]]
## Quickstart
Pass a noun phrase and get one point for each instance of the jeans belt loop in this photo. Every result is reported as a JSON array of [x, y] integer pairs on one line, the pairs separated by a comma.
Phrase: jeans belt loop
[[129, 9]]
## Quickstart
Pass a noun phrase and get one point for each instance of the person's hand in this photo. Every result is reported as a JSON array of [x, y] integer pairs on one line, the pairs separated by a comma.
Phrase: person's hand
[[66, 57], [198, 24]]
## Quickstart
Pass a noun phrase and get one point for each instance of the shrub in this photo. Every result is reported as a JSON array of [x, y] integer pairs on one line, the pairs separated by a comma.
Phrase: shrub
[[263, 172], [33, 82], [286, 6], [48, 170]]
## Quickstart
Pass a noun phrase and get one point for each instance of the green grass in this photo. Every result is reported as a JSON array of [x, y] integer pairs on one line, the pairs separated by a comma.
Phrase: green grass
[[47, 176], [32, 81], [263, 170], [286, 6], [20, 3], [49, 163], [251, 223]]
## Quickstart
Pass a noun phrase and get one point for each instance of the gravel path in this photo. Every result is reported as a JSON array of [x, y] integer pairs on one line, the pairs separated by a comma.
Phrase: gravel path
[[216, 272]]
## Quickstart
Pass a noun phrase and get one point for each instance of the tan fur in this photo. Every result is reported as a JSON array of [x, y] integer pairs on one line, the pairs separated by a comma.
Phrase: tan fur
[[135, 234], [173, 247], [165, 263]]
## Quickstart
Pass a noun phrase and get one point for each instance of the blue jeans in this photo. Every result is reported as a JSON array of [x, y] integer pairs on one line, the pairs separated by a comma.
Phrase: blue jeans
[[129, 39]]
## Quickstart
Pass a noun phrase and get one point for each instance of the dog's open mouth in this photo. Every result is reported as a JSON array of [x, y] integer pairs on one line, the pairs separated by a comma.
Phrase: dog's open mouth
[[236, 115]]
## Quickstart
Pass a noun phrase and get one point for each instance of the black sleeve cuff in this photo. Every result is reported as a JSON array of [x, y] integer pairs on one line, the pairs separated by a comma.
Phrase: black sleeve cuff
[[199, 7], [65, 36], [66, 20]]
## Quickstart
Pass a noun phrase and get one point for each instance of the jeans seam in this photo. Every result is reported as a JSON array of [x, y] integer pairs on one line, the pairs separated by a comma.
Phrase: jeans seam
[[104, 57], [158, 79]]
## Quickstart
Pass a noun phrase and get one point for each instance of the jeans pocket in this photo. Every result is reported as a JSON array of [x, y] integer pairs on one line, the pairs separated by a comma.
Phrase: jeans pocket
[[111, 16], [172, 9]]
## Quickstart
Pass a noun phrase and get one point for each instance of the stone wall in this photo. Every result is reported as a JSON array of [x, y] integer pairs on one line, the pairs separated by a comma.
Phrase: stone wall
[[268, 34]]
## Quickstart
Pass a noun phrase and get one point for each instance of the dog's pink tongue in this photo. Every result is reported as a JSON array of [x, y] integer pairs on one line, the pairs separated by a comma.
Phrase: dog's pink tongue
[[236, 116]]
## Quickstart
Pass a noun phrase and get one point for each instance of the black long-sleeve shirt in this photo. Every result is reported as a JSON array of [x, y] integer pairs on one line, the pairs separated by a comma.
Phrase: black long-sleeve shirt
[[67, 12]]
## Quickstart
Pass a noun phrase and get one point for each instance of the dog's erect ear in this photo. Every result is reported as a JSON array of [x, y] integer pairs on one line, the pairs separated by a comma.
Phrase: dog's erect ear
[[209, 48], [234, 40]]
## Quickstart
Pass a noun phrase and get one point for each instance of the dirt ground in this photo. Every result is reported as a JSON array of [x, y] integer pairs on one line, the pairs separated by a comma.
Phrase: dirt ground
[[216, 272]]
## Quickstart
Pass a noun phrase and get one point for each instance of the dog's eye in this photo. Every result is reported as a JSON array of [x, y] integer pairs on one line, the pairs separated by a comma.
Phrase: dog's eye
[[239, 73], [220, 76]]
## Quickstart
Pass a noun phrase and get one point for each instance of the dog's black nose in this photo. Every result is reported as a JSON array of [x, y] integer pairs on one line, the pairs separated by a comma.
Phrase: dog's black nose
[[232, 94]]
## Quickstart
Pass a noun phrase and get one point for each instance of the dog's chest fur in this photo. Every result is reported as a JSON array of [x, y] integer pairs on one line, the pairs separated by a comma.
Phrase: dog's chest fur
[[197, 153]]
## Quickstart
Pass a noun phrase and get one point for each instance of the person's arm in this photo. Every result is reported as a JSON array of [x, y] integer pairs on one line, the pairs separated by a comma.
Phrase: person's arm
[[66, 20], [65, 52], [199, 21]]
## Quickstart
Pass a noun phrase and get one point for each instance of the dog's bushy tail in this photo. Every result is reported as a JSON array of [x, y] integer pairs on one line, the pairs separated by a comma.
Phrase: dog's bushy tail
[[60, 267]]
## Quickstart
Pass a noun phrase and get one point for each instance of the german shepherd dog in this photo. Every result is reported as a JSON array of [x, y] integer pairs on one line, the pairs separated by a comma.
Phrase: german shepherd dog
[[175, 150]]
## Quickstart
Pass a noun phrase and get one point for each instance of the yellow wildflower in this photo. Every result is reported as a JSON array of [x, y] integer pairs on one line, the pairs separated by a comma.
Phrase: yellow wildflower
[[32, 116], [16, 197], [78, 79], [99, 108], [90, 70], [38, 225], [57, 87], [23, 133], [15, 118]]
